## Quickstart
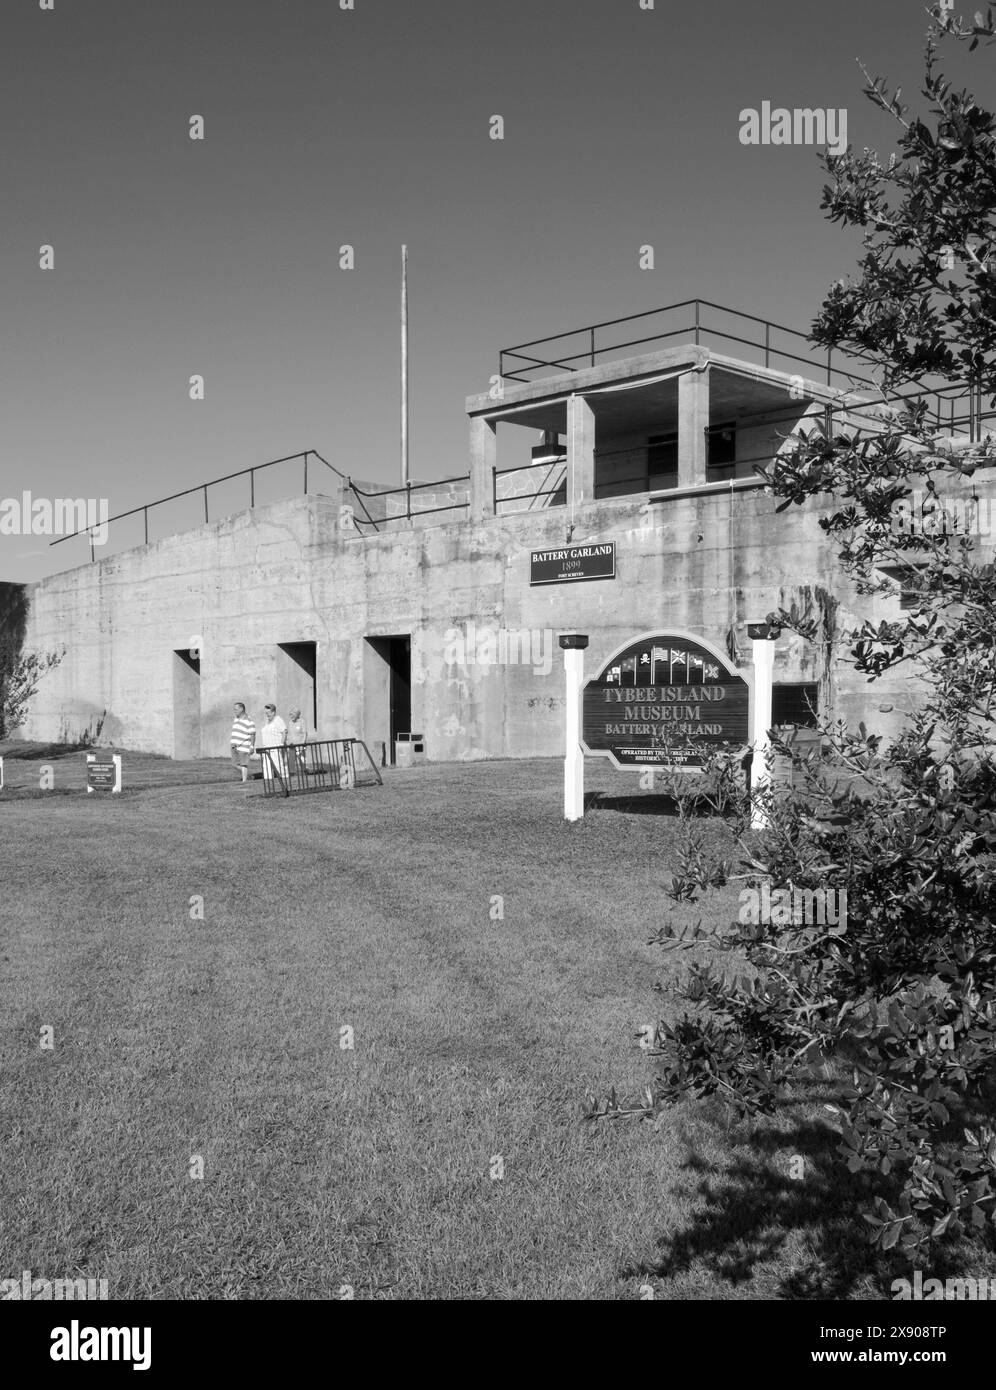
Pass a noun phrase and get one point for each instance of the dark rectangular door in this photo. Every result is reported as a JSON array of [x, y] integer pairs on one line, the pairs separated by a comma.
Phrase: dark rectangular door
[[400, 658]]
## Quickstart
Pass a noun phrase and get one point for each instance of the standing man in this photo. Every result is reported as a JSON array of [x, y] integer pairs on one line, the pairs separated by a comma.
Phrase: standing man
[[297, 736], [273, 734], [243, 739]]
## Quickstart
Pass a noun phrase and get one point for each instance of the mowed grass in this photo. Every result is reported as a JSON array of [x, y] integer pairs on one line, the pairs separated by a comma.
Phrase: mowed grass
[[444, 1155]]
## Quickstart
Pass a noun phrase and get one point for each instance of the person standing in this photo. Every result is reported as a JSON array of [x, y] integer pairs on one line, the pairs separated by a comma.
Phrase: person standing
[[243, 739], [273, 735], [297, 736]]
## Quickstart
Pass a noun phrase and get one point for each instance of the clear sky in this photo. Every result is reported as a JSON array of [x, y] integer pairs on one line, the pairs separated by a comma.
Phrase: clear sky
[[219, 257]]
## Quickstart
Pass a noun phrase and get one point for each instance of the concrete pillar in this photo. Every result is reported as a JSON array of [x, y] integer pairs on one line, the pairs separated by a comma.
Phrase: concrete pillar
[[483, 460], [334, 488], [693, 420], [580, 452], [763, 650], [573, 645]]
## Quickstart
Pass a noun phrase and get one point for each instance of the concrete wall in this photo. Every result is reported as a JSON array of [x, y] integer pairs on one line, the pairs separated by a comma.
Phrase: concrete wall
[[703, 558], [706, 563]]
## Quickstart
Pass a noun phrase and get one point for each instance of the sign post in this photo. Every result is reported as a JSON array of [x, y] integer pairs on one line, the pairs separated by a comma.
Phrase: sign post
[[103, 774], [762, 637], [573, 645]]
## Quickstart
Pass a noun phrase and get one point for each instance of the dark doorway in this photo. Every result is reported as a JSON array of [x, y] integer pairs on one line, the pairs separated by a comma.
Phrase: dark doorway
[[297, 664], [388, 690], [186, 705], [793, 703]]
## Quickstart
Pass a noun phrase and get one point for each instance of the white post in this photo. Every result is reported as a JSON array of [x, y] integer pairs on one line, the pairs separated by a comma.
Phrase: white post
[[764, 666], [573, 644]]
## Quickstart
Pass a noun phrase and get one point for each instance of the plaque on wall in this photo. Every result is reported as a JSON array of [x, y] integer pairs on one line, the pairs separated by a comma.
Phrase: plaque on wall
[[569, 563]]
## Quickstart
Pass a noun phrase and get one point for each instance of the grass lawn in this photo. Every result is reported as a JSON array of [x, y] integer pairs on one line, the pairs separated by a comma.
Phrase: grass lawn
[[476, 1040]]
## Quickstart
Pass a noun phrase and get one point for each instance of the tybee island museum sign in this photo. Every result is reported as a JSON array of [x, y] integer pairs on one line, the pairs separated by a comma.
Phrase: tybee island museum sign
[[666, 698]]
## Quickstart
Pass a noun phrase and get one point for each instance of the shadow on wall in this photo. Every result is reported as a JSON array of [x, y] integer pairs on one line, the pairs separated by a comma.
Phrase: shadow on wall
[[13, 625], [80, 731], [86, 729]]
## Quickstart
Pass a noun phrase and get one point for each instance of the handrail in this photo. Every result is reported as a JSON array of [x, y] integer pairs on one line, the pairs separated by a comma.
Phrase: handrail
[[407, 491], [697, 327], [609, 323], [440, 482], [522, 367], [369, 519], [250, 472], [521, 467]]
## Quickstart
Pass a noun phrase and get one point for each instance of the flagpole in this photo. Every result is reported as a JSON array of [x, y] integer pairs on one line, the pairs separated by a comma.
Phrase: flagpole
[[404, 365]]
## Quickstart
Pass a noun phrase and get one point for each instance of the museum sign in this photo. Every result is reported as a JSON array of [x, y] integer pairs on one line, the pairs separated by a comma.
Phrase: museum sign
[[667, 698]]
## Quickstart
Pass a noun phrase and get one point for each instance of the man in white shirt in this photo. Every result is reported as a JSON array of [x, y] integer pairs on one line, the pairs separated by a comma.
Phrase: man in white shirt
[[273, 734]]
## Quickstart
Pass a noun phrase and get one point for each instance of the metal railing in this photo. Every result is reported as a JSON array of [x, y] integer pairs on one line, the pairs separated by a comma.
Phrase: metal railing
[[406, 491], [249, 473], [328, 764], [694, 323], [559, 486]]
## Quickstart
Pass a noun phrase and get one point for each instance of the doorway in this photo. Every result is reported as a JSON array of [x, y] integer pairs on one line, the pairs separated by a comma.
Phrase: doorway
[[387, 690], [186, 705], [297, 664]]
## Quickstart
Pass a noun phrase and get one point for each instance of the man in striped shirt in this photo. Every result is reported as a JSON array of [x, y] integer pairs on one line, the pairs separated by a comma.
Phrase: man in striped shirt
[[243, 739]]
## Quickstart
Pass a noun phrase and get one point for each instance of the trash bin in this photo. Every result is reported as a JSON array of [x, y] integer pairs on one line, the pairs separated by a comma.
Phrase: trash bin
[[409, 750]]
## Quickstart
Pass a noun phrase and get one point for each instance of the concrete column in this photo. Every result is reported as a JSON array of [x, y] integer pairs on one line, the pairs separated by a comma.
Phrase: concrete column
[[693, 419], [763, 650], [580, 452], [334, 488], [573, 644], [483, 459]]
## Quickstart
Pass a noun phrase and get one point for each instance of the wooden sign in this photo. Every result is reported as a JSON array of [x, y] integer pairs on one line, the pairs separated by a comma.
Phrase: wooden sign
[[569, 563], [667, 698]]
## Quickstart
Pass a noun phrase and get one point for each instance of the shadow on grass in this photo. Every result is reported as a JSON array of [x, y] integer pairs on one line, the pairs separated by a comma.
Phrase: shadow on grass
[[36, 752], [754, 1219], [651, 804]]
